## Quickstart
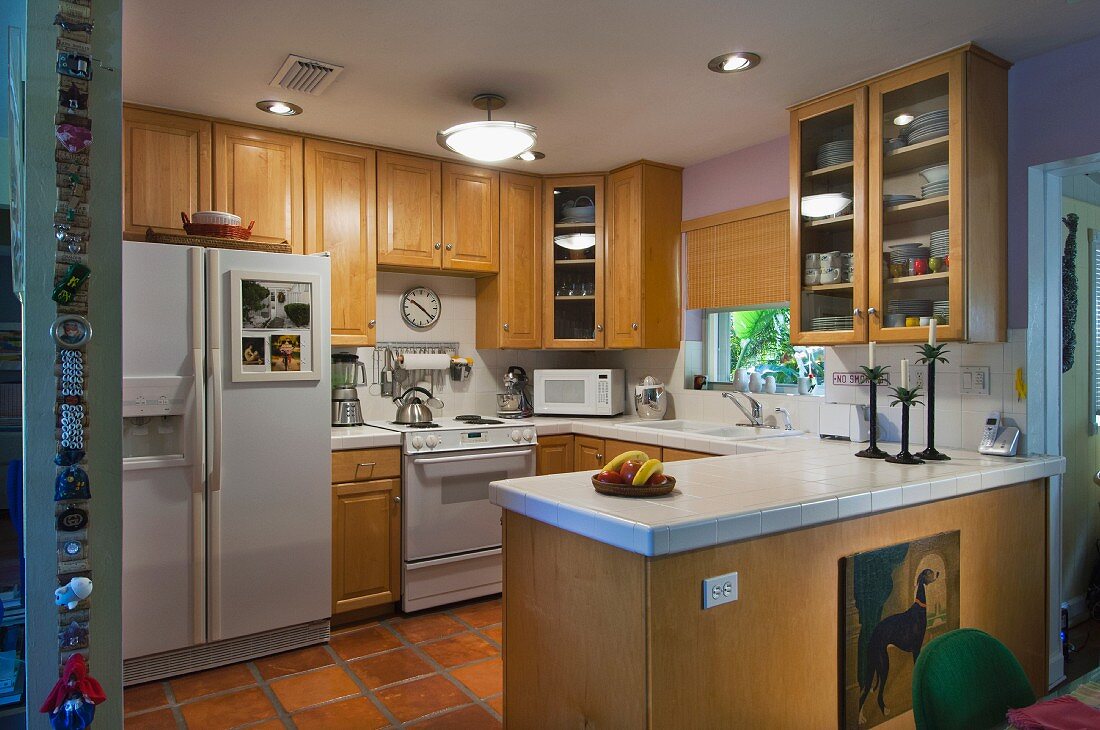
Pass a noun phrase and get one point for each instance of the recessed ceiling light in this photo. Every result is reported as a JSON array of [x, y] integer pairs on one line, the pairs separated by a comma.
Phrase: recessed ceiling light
[[489, 140], [903, 120], [530, 156], [281, 108], [729, 63]]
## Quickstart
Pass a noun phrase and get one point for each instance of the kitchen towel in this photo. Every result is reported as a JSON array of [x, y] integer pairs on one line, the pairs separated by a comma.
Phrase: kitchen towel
[[1061, 713]]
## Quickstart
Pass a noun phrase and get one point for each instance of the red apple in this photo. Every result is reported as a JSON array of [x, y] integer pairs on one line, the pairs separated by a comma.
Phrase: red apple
[[609, 477], [628, 470], [656, 480]]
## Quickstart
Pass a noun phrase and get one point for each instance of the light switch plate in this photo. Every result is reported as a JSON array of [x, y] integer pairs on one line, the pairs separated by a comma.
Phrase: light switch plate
[[973, 380], [719, 589]]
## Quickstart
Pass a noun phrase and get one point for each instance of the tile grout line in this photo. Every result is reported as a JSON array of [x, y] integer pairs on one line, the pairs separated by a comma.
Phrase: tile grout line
[[364, 690], [280, 711]]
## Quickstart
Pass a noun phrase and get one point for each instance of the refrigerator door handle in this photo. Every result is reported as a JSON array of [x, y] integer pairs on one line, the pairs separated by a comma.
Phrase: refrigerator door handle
[[214, 434], [198, 454]]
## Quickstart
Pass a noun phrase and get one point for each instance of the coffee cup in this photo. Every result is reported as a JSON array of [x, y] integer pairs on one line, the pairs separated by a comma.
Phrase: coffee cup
[[811, 276], [830, 276], [769, 384], [936, 264], [804, 385], [849, 273], [912, 321], [918, 267], [813, 261], [925, 321], [897, 270], [847, 259], [830, 260]]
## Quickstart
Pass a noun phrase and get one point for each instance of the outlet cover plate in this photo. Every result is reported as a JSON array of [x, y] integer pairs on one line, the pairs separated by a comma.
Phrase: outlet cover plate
[[719, 589], [973, 380]]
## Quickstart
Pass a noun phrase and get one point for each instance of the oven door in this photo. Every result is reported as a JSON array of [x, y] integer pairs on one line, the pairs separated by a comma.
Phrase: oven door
[[447, 509], [565, 395]]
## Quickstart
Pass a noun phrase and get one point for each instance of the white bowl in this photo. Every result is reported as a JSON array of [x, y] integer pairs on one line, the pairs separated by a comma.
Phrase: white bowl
[[215, 218], [935, 174], [824, 205]]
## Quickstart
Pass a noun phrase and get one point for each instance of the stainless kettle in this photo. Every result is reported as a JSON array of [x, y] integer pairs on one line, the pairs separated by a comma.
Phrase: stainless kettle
[[410, 409]]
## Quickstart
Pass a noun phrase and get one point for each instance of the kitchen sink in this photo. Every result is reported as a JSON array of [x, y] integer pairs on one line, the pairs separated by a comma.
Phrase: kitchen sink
[[674, 425], [713, 430]]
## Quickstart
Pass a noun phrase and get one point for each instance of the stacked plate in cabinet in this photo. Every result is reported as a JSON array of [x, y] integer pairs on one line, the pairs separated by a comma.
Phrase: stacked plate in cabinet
[[928, 126], [941, 310], [934, 189], [900, 253], [940, 243], [891, 200], [834, 153], [826, 324], [911, 307]]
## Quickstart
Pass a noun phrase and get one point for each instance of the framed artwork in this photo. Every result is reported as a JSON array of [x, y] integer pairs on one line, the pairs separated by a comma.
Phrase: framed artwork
[[272, 326], [896, 600]]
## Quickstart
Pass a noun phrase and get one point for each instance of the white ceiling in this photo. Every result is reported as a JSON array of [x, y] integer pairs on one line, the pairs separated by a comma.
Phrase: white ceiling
[[605, 81]]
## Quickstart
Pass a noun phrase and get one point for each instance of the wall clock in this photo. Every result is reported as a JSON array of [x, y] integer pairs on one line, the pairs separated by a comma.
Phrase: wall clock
[[420, 307]]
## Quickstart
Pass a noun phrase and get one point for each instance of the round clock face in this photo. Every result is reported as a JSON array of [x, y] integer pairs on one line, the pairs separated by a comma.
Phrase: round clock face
[[420, 306]]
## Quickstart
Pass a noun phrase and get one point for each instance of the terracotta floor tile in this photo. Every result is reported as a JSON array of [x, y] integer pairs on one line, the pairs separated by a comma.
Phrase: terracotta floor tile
[[158, 720], [426, 628], [144, 697], [190, 686], [460, 649], [292, 662], [393, 666], [484, 679], [497, 703], [357, 714], [313, 688], [269, 725], [420, 697], [468, 718], [228, 711], [496, 633], [481, 614], [363, 642]]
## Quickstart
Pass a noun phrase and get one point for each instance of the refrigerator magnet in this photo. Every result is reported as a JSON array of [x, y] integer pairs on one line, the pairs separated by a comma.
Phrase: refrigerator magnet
[[71, 331], [73, 637], [72, 519], [71, 281], [68, 457], [72, 483]]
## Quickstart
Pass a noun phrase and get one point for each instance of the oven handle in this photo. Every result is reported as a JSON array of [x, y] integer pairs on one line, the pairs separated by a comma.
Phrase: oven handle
[[473, 457]]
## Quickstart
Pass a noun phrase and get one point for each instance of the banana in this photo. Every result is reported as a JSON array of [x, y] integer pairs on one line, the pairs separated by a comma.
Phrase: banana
[[649, 468], [616, 463]]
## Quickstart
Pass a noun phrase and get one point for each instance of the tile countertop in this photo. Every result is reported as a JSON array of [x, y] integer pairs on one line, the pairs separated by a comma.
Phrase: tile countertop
[[363, 437], [774, 486]]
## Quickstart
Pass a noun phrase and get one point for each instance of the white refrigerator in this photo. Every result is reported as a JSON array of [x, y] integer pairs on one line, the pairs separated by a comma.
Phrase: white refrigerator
[[226, 487]]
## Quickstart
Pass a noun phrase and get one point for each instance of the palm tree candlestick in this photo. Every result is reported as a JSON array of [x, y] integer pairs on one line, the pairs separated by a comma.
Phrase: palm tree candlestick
[[874, 377], [906, 397], [930, 355]]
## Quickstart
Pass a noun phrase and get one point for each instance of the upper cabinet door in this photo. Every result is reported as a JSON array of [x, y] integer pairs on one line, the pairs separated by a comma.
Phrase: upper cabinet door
[[166, 170], [520, 279], [340, 197], [624, 269], [409, 214], [258, 176], [471, 199], [573, 259]]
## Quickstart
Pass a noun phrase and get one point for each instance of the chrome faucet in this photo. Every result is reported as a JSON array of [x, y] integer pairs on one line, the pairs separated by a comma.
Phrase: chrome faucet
[[786, 417], [756, 415]]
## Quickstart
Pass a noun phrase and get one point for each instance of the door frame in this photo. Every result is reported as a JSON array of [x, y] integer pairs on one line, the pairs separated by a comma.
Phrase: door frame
[[1045, 237]]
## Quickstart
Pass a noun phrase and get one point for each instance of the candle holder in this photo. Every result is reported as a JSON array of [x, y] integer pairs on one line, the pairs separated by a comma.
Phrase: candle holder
[[930, 355], [906, 397], [874, 377]]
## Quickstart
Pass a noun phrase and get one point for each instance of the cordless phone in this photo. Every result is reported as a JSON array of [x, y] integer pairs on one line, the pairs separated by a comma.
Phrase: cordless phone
[[997, 441], [992, 427]]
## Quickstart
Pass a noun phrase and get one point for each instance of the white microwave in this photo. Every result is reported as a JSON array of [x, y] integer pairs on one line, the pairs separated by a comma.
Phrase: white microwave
[[586, 392]]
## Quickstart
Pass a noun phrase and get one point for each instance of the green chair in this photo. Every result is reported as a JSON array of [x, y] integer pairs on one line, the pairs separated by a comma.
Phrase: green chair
[[967, 680]]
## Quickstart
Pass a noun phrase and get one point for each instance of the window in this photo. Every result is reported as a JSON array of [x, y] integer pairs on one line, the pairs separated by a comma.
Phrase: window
[[758, 340]]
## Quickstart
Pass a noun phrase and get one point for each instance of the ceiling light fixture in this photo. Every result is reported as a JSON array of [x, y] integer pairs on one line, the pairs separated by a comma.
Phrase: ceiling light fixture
[[903, 120], [530, 156], [729, 63], [489, 140], [279, 108]]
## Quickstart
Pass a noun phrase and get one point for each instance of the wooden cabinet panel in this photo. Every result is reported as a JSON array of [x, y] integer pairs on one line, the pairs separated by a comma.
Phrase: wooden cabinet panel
[[555, 455], [573, 289], [366, 544], [588, 454], [624, 273], [409, 213], [682, 455], [165, 170], [471, 218], [357, 465], [340, 199], [258, 176], [613, 448]]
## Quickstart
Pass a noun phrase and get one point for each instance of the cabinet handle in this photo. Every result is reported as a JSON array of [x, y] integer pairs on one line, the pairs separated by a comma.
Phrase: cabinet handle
[[634, 326], [438, 246], [857, 312], [599, 457], [505, 326], [599, 328], [372, 323], [872, 311], [396, 500], [368, 463], [450, 246]]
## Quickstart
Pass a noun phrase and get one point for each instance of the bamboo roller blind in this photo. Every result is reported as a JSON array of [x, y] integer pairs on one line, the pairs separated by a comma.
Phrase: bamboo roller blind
[[740, 263]]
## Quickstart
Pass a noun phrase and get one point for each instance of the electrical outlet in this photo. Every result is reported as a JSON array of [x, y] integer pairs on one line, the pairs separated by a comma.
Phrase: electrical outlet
[[719, 589], [918, 376], [973, 380]]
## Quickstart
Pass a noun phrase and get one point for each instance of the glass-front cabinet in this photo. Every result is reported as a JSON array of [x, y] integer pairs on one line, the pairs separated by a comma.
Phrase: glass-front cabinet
[[828, 220], [574, 261]]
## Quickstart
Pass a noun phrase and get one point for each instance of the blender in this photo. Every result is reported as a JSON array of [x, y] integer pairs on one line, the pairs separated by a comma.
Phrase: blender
[[346, 409]]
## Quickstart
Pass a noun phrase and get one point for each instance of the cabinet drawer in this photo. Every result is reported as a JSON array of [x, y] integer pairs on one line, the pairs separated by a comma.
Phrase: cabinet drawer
[[613, 448], [356, 465]]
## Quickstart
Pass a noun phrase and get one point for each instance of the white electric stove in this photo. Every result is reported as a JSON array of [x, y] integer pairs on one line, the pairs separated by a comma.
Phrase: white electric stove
[[451, 544]]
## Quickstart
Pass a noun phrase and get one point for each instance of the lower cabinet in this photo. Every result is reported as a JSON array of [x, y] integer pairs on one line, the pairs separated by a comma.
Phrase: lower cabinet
[[588, 454], [683, 455], [613, 448], [562, 454], [555, 455]]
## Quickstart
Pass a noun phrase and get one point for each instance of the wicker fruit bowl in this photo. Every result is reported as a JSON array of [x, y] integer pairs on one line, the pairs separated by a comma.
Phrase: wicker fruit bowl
[[239, 233], [627, 490]]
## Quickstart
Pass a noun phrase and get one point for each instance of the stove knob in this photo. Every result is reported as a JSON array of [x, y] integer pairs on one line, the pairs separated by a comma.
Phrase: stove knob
[[528, 434], [515, 435], [417, 442], [432, 442]]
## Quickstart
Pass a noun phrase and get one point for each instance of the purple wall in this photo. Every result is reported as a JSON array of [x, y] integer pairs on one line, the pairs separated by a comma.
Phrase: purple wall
[[748, 176], [1053, 114]]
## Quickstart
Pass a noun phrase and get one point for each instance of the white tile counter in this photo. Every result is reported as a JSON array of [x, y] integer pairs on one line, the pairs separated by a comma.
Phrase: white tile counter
[[363, 437], [772, 486]]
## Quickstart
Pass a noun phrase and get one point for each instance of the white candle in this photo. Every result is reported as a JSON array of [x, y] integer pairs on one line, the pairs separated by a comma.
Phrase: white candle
[[932, 332], [871, 355], [904, 374]]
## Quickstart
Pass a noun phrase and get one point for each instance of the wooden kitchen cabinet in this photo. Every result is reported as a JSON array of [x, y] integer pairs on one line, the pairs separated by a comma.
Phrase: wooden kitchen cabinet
[[471, 218], [339, 219], [410, 214], [509, 306], [555, 455], [258, 176], [613, 448], [573, 262], [366, 544], [588, 454], [642, 264], [166, 162], [669, 455]]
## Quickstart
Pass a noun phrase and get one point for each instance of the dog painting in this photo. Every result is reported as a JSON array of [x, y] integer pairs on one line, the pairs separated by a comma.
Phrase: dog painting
[[896, 600]]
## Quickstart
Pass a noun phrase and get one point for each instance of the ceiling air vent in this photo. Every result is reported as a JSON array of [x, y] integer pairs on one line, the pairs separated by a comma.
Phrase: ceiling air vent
[[306, 74]]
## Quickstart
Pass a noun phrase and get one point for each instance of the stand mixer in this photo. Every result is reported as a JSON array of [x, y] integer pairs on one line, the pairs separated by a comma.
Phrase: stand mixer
[[514, 401], [346, 409]]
